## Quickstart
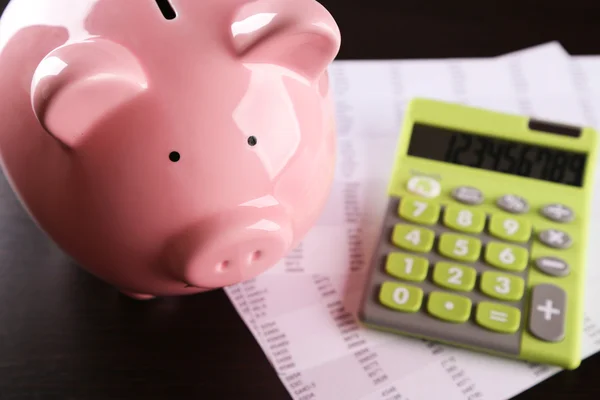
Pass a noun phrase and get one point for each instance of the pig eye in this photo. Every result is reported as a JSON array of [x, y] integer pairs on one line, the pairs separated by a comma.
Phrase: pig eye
[[174, 156], [252, 141]]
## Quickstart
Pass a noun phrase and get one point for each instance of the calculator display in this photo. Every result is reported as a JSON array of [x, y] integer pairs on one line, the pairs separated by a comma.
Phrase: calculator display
[[484, 152]]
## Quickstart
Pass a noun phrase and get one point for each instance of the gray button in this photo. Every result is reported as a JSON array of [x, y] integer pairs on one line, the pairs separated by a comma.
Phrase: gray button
[[558, 213], [513, 204], [555, 238], [468, 195], [547, 319], [553, 266]]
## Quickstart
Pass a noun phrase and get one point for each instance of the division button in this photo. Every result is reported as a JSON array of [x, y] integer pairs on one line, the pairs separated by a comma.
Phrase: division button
[[558, 213], [547, 314]]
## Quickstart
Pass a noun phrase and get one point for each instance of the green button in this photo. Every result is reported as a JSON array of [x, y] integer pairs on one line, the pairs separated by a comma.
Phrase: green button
[[401, 297], [498, 317], [464, 219], [459, 247], [413, 238], [502, 286], [419, 211], [452, 276], [506, 256], [406, 266], [515, 229], [449, 307]]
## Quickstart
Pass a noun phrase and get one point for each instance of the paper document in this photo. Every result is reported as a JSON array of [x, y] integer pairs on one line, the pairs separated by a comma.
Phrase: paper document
[[302, 311]]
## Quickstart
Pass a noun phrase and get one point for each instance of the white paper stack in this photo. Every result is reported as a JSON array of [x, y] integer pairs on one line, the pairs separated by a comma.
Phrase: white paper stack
[[302, 312]]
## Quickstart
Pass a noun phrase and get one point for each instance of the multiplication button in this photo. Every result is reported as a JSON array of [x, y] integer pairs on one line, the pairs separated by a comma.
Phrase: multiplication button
[[555, 239], [547, 314]]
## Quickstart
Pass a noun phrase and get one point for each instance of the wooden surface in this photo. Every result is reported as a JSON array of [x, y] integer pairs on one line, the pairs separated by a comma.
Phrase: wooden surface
[[65, 335]]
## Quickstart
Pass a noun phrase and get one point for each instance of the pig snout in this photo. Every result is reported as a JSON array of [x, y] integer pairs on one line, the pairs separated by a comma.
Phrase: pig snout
[[229, 248]]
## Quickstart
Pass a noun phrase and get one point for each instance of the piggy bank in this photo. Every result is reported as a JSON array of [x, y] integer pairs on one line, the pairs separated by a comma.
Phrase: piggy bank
[[169, 147]]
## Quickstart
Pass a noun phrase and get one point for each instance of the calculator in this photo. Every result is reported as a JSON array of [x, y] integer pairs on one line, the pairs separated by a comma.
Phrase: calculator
[[484, 239]]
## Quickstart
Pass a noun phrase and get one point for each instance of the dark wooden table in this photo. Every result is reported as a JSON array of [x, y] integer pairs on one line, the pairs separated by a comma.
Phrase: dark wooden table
[[65, 335]]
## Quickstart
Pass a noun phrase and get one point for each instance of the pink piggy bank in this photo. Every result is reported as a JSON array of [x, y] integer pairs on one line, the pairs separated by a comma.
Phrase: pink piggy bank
[[169, 147]]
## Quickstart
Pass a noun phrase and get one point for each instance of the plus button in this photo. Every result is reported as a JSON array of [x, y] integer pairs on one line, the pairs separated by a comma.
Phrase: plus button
[[548, 310]]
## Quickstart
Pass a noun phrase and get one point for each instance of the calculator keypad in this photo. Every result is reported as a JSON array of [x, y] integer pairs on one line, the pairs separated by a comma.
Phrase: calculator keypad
[[513, 204], [510, 228], [498, 317], [449, 306], [459, 247], [558, 213], [555, 238], [457, 263], [506, 256], [454, 276], [413, 238], [464, 219]]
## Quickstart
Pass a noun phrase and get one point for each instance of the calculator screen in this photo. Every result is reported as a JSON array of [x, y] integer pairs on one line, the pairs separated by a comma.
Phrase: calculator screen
[[499, 155]]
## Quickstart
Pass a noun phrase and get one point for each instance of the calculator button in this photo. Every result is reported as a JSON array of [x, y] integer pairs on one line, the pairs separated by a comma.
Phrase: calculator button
[[547, 314], [555, 239], [468, 195], [498, 317], [558, 213], [553, 266], [506, 256], [456, 277], [449, 307], [513, 204], [502, 286], [510, 228], [459, 247], [424, 186], [413, 238], [407, 267], [464, 219], [401, 297], [419, 211]]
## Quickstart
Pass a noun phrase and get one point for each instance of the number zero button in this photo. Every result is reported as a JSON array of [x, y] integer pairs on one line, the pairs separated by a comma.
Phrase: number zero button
[[459, 247], [506, 256], [407, 267], [413, 238], [510, 228], [498, 317], [401, 297], [419, 211], [449, 307], [464, 219], [456, 277], [502, 286]]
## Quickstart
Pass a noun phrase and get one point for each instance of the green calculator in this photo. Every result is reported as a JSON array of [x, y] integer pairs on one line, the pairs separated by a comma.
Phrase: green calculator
[[484, 240]]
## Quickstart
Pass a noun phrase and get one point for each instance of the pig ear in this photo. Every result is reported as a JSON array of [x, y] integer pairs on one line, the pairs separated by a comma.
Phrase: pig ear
[[300, 35], [78, 83]]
